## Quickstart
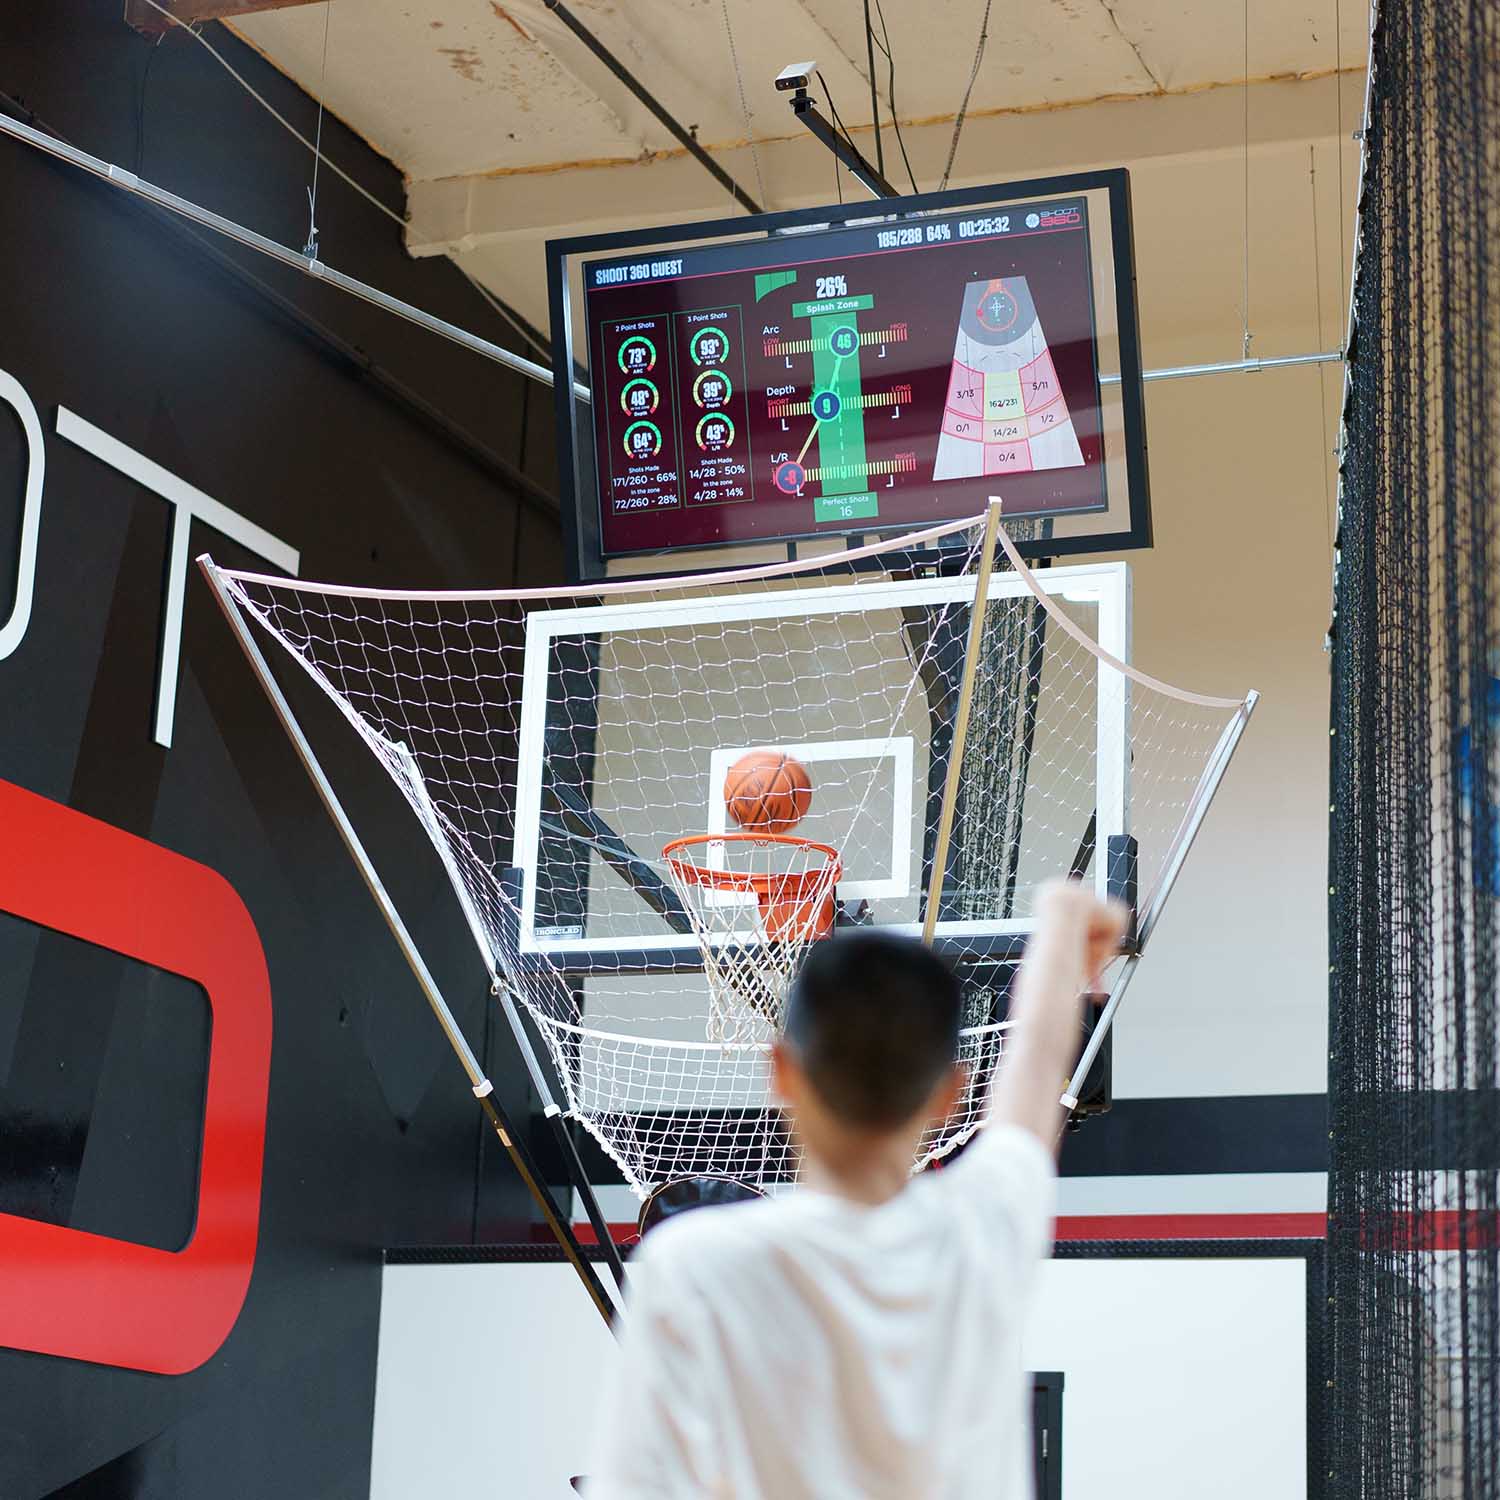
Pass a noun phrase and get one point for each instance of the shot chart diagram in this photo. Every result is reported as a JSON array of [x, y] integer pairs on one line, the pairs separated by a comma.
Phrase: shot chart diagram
[[1005, 412], [835, 405]]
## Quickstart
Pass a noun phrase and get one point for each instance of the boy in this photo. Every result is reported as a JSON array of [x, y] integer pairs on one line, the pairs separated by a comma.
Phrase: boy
[[859, 1338]]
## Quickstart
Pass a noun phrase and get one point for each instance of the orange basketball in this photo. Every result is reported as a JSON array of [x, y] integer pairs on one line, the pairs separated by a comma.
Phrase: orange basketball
[[767, 791]]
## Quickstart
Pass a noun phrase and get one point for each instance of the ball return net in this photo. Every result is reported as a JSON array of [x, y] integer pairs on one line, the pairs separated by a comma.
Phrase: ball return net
[[970, 728]]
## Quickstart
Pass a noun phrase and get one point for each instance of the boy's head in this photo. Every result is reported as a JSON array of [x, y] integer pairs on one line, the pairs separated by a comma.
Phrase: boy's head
[[871, 1035]]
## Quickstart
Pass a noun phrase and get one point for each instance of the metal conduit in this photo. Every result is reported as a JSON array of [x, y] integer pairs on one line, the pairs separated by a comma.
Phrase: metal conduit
[[311, 266]]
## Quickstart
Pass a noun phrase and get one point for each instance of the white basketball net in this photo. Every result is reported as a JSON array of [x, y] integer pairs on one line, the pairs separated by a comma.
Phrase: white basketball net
[[755, 904], [552, 742]]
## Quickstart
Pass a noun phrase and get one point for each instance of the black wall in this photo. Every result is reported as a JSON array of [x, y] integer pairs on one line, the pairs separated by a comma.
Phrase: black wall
[[372, 1137]]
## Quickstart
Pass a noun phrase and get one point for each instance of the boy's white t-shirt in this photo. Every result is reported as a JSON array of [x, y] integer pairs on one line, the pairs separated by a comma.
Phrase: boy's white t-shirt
[[811, 1348]]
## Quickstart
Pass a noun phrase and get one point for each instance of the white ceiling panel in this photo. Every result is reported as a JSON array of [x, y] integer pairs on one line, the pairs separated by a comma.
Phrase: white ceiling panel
[[460, 87], [510, 130]]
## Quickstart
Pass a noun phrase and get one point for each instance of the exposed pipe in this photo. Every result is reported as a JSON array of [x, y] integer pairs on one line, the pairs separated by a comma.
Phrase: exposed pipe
[[309, 265], [641, 92], [1232, 367], [559, 1222], [357, 362]]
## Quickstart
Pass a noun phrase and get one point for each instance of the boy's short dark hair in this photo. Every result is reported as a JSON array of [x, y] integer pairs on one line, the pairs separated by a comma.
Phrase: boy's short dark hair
[[873, 1020]]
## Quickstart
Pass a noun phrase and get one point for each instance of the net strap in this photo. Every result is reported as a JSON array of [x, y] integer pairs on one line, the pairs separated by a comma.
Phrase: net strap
[[696, 581], [1061, 620]]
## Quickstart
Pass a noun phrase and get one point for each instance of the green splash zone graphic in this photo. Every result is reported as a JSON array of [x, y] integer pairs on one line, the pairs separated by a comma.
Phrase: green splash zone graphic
[[767, 282], [837, 403]]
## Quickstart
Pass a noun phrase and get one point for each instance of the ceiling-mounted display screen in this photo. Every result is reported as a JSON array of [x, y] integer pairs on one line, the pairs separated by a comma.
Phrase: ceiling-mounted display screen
[[771, 380]]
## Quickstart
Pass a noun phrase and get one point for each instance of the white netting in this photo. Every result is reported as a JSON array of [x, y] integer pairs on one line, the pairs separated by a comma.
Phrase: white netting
[[553, 742], [754, 904]]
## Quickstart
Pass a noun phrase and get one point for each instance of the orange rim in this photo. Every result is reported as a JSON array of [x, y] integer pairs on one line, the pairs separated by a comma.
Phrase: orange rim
[[738, 880], [794, 904]]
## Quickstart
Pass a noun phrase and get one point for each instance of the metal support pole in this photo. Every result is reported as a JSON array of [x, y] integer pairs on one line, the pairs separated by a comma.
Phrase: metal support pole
[[481, 1086], [1203, 798], [553, 1114], [961, 723], [1197, 811], [427, 814], [1106, 1019], [873, 177], [874, 93], [1233, 367]]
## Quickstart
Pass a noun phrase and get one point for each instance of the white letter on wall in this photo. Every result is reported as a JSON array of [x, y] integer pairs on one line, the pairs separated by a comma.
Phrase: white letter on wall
[[14, 630], [187, 504]]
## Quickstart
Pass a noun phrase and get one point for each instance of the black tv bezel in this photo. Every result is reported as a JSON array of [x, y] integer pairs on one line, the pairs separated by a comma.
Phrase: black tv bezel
[[585, 558]]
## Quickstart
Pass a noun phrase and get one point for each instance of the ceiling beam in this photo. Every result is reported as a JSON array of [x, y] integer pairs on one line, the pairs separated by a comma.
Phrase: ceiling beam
[[152, 23], [687, 140], [457, 214], [496, 223]]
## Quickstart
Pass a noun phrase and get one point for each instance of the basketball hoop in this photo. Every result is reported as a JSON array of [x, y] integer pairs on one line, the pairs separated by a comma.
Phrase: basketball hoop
[[755, 901]]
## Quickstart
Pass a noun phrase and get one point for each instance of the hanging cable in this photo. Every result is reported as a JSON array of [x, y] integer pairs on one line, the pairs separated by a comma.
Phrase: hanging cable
[[1245, 302], [890, 93], [140, 107], [843, 130], [38, 133], [275, 114], [833, 110], [963, 109], [515, 322], [1312, 177], [1338, 122], [874, 91], [739, 78], [311, 248]]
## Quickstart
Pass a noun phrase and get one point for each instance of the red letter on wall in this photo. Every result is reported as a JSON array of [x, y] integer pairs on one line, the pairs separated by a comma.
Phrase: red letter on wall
[[87, 1296]]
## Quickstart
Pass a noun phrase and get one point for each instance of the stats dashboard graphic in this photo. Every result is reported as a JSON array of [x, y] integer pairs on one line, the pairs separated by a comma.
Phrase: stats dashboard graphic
[[1006, 413], [890, 376]]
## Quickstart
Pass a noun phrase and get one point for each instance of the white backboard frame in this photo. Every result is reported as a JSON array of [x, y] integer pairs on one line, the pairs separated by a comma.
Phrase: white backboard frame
[[1106, 585], [900, 750]]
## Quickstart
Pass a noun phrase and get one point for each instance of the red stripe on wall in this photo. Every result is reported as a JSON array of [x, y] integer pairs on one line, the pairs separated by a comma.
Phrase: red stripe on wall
[[1259, 1226], [1435, 1231], [1130, 1227]]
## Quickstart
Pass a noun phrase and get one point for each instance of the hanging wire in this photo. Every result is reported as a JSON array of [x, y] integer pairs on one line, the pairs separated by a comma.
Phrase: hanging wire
[[1312, 178], [311, 248], [140, 108], [540, 345], [884, 43], [275, 114], [1338, 122], [963, 109], [315, 147], [739, 78], [1245, 302], [874, 91]]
